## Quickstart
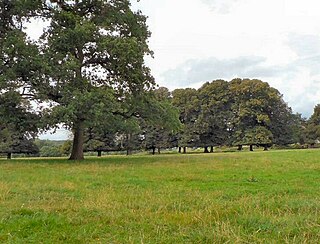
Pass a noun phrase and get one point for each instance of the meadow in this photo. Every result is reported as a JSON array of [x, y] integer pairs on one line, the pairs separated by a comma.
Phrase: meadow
[[241, 197]]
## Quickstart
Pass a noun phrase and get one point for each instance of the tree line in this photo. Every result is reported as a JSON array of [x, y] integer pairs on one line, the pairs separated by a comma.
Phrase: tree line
[[220, 113], [87, 72], [241, 112]]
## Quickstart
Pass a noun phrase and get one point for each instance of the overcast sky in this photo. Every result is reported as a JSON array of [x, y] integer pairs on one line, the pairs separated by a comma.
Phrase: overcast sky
[[278, 41]]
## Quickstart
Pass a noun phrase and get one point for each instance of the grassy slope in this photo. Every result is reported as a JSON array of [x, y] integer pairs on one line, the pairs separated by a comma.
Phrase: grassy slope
[[260, 197]]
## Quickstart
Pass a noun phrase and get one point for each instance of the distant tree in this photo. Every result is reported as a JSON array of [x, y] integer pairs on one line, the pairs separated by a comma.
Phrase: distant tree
[[50, 148], [213, 123], [298, 128], [142, 123], [13, 142], [65, 148], [258, 135], [99, 142], [260, 116], [18, 126], [284, 125], [188, 103], [160, 128], [50, 151], [313, 127]]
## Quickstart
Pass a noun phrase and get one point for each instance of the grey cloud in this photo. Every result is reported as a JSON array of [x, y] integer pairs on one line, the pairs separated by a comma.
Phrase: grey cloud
[[195, 71], [303, 105], [311, 62], [304, 45], [307, 48]]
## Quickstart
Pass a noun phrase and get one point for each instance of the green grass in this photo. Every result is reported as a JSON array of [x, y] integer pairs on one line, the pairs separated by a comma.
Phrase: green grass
[[259, 197]]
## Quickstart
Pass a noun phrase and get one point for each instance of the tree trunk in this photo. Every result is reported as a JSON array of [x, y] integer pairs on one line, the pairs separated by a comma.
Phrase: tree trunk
[[153, 151], [251, 148], [159, 150], [265, 148], [129, 149], [239, 148], [184, 150], [179, 149], [211, 149], [77, 146], [9, 155], [99, 153], [206, 150]]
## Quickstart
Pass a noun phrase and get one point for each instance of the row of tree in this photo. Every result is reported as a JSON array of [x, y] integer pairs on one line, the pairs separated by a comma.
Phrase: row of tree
[[239, 112], [220, 113]]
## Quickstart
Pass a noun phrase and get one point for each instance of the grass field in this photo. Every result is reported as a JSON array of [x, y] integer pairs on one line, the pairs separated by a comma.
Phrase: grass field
[[259, 197]]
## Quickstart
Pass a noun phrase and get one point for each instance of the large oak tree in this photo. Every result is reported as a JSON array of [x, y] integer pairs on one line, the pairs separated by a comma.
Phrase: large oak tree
[[93, 62]]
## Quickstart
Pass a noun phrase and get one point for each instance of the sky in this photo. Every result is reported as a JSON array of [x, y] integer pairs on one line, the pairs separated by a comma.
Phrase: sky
[[277, 41]]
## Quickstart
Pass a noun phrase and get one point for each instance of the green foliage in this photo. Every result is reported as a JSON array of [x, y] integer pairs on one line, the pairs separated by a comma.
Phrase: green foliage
[[188, 103], [312, 127], [65, 148], [49, 148], [160, 128], [50, 151], [18, 126], [104, 140], [260, 114], [18, 68], [259, 135], [239, 112], [213, 122]]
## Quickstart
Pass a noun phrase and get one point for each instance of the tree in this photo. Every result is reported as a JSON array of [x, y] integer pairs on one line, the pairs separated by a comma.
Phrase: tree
[[93, 62], [14, 142], [313, 127], [146, 129], [18, 126], [258, 135], [214, 118], [298, 128], [188, 103], [160, 127], [260, 116], [100, 141], [49, 148]]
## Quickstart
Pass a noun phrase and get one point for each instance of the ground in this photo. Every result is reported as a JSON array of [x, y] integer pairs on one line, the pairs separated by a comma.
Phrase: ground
[[242, 197]]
